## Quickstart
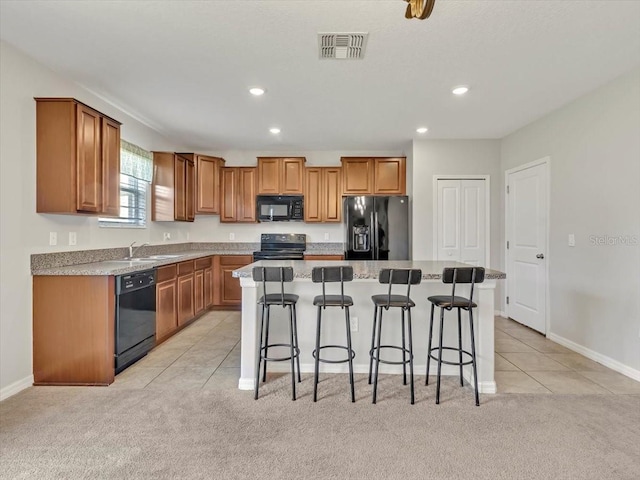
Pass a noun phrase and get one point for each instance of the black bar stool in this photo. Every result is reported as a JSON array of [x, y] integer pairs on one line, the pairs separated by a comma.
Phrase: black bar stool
[[267, 300], [454, 276], [328, 275], [382, 302]]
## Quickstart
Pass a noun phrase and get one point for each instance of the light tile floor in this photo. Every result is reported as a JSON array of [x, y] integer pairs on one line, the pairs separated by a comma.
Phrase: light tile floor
[[206, 355]]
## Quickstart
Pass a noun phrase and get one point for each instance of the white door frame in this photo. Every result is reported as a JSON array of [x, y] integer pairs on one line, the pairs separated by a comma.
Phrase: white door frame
[[487, 207], [542, 161]]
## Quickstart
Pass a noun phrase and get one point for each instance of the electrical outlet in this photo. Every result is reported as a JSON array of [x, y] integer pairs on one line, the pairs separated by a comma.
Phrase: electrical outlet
[[166, 236], [53, 238], [354, 323], [232, 236], [572, 240], [326, 236], [73, 240]]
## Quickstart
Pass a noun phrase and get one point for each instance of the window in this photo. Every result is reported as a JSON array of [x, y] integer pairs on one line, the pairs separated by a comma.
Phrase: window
[[136, 166]]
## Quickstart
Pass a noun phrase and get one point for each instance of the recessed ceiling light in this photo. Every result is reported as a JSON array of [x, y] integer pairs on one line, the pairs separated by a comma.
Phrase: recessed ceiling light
[[460, 90], [274, 130], [422, 130], [257, 91]]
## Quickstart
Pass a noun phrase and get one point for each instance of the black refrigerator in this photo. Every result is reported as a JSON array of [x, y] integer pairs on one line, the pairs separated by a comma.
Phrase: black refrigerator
[[376, 228]]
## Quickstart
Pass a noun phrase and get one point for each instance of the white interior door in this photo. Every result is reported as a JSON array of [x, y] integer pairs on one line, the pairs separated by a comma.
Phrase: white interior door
[[461, 221], [526, 229]]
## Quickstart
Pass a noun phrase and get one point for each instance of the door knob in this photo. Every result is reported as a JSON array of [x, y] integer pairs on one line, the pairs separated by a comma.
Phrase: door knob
[[541, 256]]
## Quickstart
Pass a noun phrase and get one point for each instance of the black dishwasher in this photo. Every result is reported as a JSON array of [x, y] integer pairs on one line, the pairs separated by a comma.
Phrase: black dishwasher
[[135, 317]]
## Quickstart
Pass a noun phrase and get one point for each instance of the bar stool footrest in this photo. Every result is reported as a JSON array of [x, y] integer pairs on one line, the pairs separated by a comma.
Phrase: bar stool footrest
[[446, 362], [279, 359], [372, 354], [353, 354]]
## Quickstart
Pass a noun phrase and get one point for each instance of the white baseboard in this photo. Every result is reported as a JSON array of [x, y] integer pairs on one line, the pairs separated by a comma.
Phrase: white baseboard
[[500, 313], [16, 387], [596, 357], [246, 384]]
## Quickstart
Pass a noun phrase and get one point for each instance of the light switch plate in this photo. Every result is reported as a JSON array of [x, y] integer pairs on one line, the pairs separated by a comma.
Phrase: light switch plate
[[232, 236], [53, 238], [572, 240], [166, 236], [73, 239], [326, 236]]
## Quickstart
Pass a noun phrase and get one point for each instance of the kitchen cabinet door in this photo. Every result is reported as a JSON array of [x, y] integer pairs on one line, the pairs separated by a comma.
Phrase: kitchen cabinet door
[[228, 291], [268, 176], [313, 195], [185, 298], [190, 191], [198, 292], [357, 176], [89, 163], [180, 175], [110, 167], [390, 176], [208, 184], [229, 194], [246, 195], [332, 188], [292, 176], [166, 311], [208, 287]]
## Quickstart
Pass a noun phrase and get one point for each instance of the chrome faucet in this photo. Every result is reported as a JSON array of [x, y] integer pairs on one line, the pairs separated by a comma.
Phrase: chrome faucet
[[133, 250]]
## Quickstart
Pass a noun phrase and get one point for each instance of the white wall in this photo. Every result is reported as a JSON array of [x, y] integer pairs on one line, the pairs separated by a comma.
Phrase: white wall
[[452, 157], [594, 145]]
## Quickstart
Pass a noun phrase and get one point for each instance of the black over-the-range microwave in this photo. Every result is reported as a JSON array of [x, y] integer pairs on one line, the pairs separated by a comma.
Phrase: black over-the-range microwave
[[280, 208]]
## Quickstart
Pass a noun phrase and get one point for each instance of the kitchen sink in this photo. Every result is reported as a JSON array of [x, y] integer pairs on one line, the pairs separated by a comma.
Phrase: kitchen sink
[[162, 257]]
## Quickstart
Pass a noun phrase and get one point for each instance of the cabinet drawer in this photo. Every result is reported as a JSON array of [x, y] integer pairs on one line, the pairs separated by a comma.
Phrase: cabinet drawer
[[185, 268], [168, 272], [235, 259], [202, 263]]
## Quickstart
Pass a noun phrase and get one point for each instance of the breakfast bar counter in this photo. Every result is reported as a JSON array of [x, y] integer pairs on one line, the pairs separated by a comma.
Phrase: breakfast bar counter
[[364, 285]]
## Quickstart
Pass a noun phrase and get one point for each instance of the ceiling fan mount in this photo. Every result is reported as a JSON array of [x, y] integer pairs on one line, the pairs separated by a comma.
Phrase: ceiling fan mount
[[419, 9]]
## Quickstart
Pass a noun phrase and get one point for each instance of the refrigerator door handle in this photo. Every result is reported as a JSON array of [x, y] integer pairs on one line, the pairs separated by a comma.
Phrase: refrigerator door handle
[[374, 229]]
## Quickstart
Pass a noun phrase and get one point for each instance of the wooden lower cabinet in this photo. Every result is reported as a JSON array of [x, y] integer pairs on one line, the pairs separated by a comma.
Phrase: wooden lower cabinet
[[208, 287], [229, 292], [73, 334], [198, 291]]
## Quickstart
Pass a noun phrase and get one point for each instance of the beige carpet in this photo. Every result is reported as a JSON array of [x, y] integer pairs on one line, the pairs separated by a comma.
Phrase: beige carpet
[[75, 433]]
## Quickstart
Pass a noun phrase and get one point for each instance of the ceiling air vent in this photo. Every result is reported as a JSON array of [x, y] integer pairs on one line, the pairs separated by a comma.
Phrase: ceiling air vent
[[342, 46]]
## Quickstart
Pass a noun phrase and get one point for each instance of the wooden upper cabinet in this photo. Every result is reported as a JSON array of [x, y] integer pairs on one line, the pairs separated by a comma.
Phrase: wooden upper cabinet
[[357, 176], [280, 176], [238, 194], [374, 176], [173, 187], [323, 194], [208, 184], [390, 176], [78, 159]]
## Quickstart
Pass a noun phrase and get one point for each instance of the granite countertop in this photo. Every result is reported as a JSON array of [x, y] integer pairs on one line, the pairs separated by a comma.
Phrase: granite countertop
[[364, 269], [111, 261]]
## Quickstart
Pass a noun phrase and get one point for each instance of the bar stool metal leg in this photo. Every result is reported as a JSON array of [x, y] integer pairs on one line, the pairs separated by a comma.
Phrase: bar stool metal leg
[[426, 380], [317, 356], [377, 351], [404, 349], [373, 337], [439, 356], [460, 345], [349, 350], [266, 343], [293, 358], [295, 336], [410, 356], [259, 354], [473, 358]]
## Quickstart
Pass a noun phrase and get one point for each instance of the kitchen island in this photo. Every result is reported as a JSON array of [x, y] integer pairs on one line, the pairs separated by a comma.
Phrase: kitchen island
[[364, 285]]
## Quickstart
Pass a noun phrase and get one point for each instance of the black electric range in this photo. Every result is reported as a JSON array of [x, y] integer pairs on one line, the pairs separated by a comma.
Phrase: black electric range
[[281, 246]]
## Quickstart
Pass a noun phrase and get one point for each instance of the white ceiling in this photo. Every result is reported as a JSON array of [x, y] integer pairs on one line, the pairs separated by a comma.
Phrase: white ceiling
[[184, 66]]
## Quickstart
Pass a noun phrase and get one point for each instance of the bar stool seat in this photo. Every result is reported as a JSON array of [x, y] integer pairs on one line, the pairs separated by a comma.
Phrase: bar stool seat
[[326, 275], [278, 299], [383, 300], [444, 301], [333, 301]]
